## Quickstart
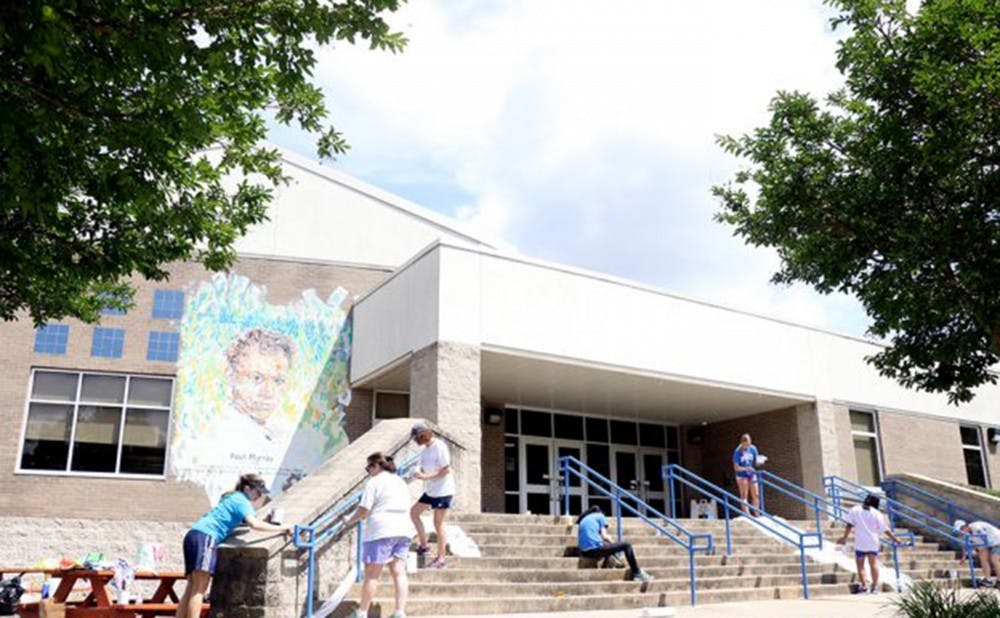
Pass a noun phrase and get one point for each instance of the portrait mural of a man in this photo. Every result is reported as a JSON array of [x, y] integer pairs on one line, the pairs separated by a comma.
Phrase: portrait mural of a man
[[261, 387]]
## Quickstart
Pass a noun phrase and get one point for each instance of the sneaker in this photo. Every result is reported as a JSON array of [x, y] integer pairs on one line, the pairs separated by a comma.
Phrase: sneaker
[[397, 614], [359, 614], [642, 577], [438, 563], [873, 589], [422, 549], [989, 582]]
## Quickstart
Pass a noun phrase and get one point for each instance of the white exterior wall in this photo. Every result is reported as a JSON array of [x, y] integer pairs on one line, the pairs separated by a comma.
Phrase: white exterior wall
[[400, 316], [507, 302], [325, 215]]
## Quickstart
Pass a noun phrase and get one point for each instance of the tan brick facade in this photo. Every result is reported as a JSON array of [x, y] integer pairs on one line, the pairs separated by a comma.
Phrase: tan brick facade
[[921, 445], [35, 495]]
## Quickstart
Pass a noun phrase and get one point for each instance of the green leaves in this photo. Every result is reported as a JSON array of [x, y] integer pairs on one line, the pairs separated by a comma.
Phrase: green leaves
[[889, 190], [105, 107]]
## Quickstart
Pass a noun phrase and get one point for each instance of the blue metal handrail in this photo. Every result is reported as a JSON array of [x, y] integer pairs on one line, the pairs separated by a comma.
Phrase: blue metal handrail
[[838, 488], [896, 487], [569, 465], [330, 524], [822, 506], [796, 537]]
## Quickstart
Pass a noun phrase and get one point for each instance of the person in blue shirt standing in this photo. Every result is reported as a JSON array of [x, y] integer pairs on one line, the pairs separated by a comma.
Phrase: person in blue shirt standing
[[744, 462], [236, 507], [593, 541]]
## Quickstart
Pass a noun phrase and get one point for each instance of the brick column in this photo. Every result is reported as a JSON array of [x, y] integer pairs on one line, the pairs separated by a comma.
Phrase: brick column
[[445, 389], [825, 442]]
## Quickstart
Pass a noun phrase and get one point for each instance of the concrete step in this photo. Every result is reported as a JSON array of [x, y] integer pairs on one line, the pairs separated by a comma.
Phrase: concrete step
[[662, 548], [516, 575], [566, 563], [559, 540], [564, 603]]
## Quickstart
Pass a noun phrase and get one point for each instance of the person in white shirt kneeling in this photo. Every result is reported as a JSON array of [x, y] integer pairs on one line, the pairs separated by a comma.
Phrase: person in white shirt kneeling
[[869, 524]]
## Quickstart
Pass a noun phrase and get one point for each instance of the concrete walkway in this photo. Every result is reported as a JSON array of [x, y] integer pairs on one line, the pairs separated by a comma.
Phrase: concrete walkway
[[860, 606]]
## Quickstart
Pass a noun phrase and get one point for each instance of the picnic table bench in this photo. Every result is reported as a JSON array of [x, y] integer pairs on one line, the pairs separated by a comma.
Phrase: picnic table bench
[[98, 602]]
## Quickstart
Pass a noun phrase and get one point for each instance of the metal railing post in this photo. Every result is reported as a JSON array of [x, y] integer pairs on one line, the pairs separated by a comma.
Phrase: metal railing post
[[972, 563], [729, 533], [359, 564], [618, 509], [564, 470], [760, 491], [694, 589], [805, 577], [895, 561], [819, 524]]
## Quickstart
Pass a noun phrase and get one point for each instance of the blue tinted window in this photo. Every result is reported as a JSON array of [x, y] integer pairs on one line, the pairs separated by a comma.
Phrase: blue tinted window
[[108, 342], [162, 346], [108, 310], [51, 339], [168, 304]]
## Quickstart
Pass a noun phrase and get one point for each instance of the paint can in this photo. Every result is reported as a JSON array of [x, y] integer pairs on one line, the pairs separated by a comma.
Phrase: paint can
[[277, 515]]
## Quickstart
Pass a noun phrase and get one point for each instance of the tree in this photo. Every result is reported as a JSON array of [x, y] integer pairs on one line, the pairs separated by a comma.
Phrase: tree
[[120, 119], [890, 190]]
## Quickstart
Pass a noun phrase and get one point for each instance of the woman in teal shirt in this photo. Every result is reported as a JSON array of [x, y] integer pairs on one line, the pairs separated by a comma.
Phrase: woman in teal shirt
[[236, 507], [744, 464]]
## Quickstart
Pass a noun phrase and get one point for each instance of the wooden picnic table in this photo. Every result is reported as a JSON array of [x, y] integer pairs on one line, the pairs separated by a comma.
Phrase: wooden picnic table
[[99, 603]]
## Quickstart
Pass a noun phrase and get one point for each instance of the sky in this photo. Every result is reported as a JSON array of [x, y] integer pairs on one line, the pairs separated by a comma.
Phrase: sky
[[584, 132]]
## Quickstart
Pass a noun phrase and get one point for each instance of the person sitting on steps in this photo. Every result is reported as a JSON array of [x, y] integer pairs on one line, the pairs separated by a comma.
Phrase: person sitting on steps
[[594, 542]]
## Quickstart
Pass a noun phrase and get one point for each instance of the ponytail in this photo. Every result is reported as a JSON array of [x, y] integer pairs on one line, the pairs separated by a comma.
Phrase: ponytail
[[384, 462]]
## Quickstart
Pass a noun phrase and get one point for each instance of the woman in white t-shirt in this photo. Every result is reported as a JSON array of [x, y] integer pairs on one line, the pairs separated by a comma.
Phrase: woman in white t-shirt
[[869, 524], [385, 507], [439, 489]]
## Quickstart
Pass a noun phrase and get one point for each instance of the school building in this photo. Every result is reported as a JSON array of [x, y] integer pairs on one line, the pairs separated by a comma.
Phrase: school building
[[351, 305]]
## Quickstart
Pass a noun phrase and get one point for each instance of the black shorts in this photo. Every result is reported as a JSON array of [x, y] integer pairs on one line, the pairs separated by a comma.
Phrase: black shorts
[[436, 502], [199, 552]]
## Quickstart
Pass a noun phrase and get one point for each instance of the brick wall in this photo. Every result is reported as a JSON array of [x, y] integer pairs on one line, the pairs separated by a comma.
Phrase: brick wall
[[775, 434], [493, 478], [34, 495], [921, 445]]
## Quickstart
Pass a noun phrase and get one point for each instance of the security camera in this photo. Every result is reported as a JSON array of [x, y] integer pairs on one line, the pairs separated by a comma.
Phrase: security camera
[[993, 435]]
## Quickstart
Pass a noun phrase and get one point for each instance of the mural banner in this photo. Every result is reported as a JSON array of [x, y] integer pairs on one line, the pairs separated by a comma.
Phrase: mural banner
[[260, 387]]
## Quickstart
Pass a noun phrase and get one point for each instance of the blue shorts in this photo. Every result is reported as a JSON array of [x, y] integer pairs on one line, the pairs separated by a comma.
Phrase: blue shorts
[[862, 554], [436, 502], [384, 550], [746, 475], [994, 550], [199, 552]]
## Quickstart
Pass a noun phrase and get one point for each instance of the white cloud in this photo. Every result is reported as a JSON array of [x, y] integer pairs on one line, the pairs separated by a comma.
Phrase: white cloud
[[583, 132]]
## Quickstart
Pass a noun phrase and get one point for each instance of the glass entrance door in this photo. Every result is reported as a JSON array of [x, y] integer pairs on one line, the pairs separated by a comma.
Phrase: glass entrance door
[[639, 471], [536, 471], [577, 496]]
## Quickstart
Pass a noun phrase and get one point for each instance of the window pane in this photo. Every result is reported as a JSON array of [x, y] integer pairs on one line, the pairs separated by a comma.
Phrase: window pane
[[623, 432], [536, 463], [46, 437], [107, 342], [51, 339], [974, 467], [539, 504], [511, 466], [392, 405], [102, 389], [144, 442], [568, 427], [149, 392], [597, 430], [672, 437], [168, 304], [651, 435], [536, 423], [512, 503], [970, 436], [862, 421], [510, 421], [95, 447], [54, 386], [866, 458], [599, 461], [163, 346]]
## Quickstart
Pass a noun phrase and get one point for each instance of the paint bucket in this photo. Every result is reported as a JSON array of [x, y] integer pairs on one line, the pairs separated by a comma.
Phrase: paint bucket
[[411, 562]]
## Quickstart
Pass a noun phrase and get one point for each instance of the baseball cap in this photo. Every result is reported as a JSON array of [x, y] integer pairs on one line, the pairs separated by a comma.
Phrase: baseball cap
[[418, 429], [959, 524]]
